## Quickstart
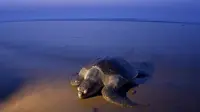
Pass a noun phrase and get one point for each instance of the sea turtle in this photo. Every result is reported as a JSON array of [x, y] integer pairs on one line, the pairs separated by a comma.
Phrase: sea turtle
[[108, 75]]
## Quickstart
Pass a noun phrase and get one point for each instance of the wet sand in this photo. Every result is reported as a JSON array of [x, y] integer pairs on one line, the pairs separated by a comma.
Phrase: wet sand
[[35, 66]]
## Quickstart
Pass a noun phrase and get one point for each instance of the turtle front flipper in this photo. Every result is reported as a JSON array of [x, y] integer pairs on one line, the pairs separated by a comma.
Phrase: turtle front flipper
[[78, 78]]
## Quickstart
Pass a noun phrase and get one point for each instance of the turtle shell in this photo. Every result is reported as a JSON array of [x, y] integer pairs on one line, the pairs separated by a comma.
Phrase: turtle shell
[[116, 66]]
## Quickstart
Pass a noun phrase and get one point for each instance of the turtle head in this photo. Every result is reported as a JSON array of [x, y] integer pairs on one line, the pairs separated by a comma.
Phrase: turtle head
[[84, 88], [87, 88], [82, 94]]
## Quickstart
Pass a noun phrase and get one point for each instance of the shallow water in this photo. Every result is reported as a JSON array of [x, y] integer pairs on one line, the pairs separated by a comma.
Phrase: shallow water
[[46, 52]]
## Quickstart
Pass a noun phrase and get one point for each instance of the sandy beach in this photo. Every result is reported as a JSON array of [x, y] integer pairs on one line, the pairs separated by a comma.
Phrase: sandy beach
[[36, 59]]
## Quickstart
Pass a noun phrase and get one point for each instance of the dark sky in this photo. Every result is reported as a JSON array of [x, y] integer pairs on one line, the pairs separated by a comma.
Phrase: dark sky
[[94, 2], [170, 10]]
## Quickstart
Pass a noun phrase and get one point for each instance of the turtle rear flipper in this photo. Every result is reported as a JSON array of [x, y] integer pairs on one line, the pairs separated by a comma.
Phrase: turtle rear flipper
[[111, 92], [145, 72], [110, 95]]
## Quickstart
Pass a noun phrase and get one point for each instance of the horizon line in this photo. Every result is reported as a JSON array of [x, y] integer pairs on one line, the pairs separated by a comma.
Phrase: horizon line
[[103, 19]]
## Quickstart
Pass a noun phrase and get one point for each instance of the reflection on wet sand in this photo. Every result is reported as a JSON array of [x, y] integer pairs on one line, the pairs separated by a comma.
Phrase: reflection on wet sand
[[34, 71]]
